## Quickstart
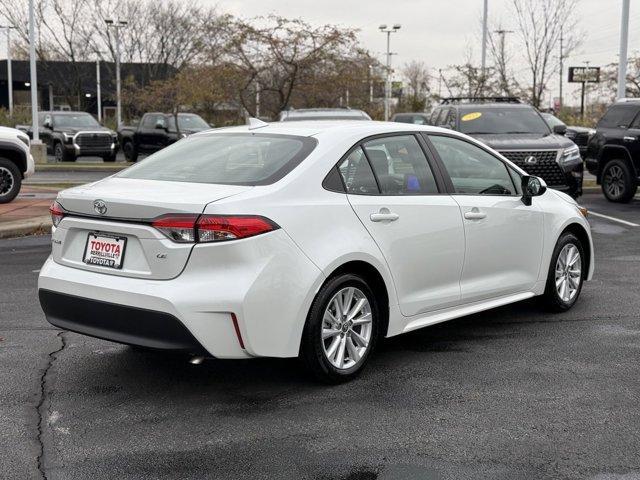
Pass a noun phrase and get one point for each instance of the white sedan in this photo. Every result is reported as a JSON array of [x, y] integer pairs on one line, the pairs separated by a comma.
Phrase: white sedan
[[312, 239]]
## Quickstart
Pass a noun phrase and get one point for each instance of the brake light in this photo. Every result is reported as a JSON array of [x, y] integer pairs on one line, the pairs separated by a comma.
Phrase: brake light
[[216, 228], [57, 213], [178, 227], [188, 228]]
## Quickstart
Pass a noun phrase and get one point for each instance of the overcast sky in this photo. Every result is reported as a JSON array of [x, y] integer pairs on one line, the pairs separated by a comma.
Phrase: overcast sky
[[441, 32]]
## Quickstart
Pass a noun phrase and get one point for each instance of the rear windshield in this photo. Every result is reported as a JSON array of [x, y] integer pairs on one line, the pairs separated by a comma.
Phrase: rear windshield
[[502, 120], [226, 158]]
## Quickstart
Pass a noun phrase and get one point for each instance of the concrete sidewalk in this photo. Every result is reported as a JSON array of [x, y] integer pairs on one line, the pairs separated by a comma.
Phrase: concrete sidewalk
[[28, 214]]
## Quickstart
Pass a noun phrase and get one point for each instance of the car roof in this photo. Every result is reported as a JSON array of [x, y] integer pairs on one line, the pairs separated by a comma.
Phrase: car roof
[[63, 112], [308, 128], [323, 112], [481, 106]]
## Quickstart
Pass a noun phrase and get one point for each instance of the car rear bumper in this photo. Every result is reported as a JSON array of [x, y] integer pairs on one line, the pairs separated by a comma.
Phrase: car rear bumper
[[266, 283]]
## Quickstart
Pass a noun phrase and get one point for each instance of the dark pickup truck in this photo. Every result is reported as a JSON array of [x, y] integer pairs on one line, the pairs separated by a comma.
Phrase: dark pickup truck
[[69, 135], [157, 130]]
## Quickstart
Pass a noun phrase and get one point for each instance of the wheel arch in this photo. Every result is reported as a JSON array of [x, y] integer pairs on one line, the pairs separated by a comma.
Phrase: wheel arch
[[580, 232], [610, 152], [376, 282], [15, 155]]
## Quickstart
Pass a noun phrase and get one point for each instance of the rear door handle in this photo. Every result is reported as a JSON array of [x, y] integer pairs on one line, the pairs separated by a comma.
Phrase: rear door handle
[[475, 214], [384, 216], [629, 139]]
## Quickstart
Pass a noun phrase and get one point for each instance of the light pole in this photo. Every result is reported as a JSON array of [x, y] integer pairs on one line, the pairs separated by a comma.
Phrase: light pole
[[387, 85], [34, 76], [624, 40], [485, 34], [117, 25], [9, 72]]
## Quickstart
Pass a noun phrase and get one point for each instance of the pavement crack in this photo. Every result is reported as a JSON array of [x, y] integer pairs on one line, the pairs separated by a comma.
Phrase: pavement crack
[[42, 409]]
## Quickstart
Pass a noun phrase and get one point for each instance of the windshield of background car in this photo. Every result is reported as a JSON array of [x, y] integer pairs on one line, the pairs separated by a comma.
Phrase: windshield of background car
[[552, 120], [188, 122], [73, 121], [225, 158], [502, 120]]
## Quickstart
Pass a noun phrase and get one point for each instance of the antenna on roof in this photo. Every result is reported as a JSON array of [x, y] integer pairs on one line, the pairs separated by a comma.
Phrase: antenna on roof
[[256, 123]]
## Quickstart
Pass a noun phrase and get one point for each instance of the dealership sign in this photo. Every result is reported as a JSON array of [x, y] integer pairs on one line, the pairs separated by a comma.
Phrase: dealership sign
[[584, 74]]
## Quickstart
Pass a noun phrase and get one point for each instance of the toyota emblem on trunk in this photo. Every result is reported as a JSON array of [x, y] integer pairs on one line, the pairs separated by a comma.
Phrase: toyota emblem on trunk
[[531, 160], [100, 207]]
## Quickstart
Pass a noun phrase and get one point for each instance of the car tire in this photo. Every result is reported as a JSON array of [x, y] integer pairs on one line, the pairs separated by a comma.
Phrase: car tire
[[130, 151], [10, 180], [62, 154], [566, 274], [355, 329], [109, 158], [618, 183]]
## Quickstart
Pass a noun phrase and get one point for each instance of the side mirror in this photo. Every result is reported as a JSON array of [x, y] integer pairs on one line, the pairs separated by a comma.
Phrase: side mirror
[[47, 124], [560, 129], [532, 187], [160, 126]]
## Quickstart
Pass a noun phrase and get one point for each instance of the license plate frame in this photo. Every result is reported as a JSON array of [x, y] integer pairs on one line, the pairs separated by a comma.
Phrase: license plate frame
[[94, 261]]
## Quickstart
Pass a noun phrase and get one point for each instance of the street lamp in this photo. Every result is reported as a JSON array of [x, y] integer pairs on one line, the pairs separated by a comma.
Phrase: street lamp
[[117, 25], [9, 72], [387, 85], [33, 75]]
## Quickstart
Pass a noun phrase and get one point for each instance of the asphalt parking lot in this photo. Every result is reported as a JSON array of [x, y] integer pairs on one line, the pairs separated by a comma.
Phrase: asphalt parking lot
[[512, 393]]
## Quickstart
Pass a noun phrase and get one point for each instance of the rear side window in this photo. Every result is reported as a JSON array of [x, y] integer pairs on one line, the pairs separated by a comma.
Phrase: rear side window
[[225, 158], [400, 166], [618, 116], [357, 175]]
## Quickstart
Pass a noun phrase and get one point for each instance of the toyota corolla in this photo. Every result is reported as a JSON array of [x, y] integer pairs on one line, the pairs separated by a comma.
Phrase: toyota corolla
[[311, 239]]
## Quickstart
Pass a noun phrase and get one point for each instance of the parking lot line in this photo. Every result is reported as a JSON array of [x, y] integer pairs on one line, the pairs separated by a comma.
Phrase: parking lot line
[[613, 219]]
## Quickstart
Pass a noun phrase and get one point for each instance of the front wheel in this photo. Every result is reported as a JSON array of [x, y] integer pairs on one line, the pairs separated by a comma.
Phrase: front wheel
[[618, 184], [130, 151], [566, 274], [62, 154], [10, 180], [341, 329], [111, 157]]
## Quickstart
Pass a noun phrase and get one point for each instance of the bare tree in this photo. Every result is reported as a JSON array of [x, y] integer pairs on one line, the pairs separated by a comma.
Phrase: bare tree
[[418, 78], [540, 24]]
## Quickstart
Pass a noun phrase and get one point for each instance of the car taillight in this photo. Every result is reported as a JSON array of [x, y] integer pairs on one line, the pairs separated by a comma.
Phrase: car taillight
[[187, 228], [180, 228], [57, 213], [217, 228]]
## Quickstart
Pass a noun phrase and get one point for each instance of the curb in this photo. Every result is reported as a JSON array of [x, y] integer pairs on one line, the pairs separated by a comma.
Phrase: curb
[[22, 228]]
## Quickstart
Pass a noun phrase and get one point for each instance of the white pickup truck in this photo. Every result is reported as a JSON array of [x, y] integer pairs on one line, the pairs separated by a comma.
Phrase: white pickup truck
[[16, 162]]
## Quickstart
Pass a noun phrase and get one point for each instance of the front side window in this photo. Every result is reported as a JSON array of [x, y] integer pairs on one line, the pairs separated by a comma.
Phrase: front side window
[[357, 175], [400, 166], [232, 159], [471, 169], [149, 121], [187, 121]]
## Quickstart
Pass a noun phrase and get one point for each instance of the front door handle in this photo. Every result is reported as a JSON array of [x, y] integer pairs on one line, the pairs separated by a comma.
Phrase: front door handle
[[629, 139], [384, 215], [475, 214]]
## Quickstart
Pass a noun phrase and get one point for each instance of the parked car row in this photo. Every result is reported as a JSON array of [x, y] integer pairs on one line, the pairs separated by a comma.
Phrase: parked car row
[[70, 135]]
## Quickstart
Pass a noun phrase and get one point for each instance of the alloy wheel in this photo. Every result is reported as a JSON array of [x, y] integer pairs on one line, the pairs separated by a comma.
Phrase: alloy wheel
[[346, 328], [568, 272], [614, 181], [59, 154], [6, 181]]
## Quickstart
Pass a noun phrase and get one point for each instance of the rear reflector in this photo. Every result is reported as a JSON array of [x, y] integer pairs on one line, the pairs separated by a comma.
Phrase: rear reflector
[[236, 327], [57, 213], [188, 228]]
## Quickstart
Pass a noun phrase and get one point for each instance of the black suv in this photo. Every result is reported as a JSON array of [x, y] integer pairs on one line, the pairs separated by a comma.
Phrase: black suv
[[613, 153], [518, 132]]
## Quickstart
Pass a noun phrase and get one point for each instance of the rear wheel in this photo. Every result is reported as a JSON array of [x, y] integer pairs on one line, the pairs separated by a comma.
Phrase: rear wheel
[[618, 183], [130, 151], [10, 180], [341, 329], [566, 273]]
